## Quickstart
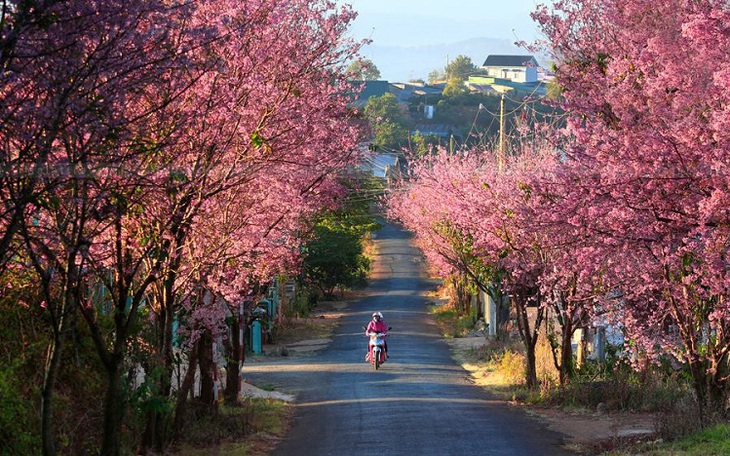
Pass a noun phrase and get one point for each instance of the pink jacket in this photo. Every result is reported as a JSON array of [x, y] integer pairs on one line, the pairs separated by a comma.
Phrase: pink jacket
[[376, 326]]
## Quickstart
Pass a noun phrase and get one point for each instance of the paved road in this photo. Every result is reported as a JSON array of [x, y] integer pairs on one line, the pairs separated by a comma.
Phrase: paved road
[[418, 403]]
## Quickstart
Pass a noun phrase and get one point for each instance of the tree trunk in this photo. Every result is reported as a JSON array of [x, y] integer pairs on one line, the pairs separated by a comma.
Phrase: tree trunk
[[206, 364], [461, 295], [567, 367], [529, 335], [113, 408], [712, 395], [234, 359], [185, 388], [718, 396], [51, 374], [531, 366], [60, 315], [157, 433], [503, 320]]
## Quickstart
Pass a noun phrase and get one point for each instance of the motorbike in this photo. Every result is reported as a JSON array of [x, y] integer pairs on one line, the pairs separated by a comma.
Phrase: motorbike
[[376, 348]]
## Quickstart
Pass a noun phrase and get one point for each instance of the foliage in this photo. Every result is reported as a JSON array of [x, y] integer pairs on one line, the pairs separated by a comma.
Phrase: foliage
[[647, 171], [455, 87], [235, 429], [16, 412], [460, 68], [457, 73], [475, 118], [153, 190], [714, 440], [363, 70], [423, 144], [436, 76], [334, 257], [451, 322], [391, 126], [510, 366], [305, 300], [21, 345]]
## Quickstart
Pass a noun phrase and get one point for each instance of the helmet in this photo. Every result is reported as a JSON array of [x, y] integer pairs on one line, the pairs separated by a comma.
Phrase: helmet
[[377, 316]]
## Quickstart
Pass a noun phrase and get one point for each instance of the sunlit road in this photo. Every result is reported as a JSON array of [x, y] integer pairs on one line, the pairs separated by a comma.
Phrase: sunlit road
[[418, 403]]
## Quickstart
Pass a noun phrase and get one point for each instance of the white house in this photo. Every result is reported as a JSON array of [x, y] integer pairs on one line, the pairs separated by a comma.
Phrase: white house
[[516, 68]]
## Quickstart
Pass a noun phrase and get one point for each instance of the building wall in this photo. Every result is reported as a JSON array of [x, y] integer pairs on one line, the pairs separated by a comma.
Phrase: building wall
[[515, 74]]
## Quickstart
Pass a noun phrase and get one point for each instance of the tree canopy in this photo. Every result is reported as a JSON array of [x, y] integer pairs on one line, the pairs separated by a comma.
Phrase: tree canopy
[[460, 68], [160, 160], [390, 123], [621, 216], [363, 69]]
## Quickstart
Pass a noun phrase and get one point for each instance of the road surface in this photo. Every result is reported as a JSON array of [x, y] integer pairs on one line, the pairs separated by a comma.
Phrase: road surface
[[419, 402]]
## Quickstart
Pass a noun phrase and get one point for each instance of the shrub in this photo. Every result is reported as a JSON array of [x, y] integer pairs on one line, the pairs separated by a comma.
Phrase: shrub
[[16, 416]]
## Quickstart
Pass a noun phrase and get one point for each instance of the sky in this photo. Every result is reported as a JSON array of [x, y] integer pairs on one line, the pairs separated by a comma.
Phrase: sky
[[430, 22], [412, 37]]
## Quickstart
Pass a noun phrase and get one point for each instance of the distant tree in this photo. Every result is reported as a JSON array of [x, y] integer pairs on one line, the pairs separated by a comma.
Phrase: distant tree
[[389, 123], [455, 87], [460, 68], [424, 144], [334, 258], [363, 70], [436, 76], [457, 73]]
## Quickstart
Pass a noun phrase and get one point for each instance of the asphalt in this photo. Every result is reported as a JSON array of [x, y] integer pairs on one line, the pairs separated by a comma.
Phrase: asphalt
[[419, 403]]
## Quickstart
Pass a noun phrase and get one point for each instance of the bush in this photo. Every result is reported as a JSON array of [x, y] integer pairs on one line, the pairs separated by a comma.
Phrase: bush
[[236, 424], [618, 387], [511, 366], [680, 419], [447, 319], [305, 300], [16, 416]]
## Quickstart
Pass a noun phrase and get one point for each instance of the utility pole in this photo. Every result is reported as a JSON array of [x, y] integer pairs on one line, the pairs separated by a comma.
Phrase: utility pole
[[500, 158]]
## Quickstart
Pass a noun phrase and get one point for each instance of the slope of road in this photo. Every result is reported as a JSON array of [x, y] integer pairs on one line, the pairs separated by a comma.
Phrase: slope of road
[[419, 403]]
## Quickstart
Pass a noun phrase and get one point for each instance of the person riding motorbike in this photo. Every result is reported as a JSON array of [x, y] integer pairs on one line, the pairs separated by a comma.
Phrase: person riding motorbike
[[377, 324]]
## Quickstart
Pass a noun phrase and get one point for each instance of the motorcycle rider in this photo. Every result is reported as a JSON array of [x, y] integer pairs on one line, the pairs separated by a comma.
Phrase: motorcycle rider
[[377, 324]]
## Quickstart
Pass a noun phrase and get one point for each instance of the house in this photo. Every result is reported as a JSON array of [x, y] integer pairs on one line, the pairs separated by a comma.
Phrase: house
[[368, 89], [406, 92], [515, 68], [492, 86]]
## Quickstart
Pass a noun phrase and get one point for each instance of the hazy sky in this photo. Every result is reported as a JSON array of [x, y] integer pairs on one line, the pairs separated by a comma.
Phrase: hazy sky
[[427, 22]]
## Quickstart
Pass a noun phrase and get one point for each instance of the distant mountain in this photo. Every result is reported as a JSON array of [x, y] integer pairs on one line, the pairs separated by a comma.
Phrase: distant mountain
[[403, 63]]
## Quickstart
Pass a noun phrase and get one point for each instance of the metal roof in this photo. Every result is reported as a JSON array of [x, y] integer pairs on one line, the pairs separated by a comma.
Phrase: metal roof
[[510, 61]]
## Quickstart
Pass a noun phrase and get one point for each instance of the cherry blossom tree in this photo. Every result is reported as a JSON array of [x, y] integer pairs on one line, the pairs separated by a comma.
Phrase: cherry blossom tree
[[272, 130], [276, 139], [68, 71], [136, 126], [470, 212], [646, 85], [504, 222], [24, 155]]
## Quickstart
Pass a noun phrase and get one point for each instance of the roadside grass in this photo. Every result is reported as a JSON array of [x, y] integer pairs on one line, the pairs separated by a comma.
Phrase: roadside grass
[[499, 367], [299, 329], [450, 323], [714, 441], [252, 427]]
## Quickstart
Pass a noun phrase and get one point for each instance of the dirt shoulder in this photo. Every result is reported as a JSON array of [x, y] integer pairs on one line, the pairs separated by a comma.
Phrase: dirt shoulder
[[587, 431], [305, 336]]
